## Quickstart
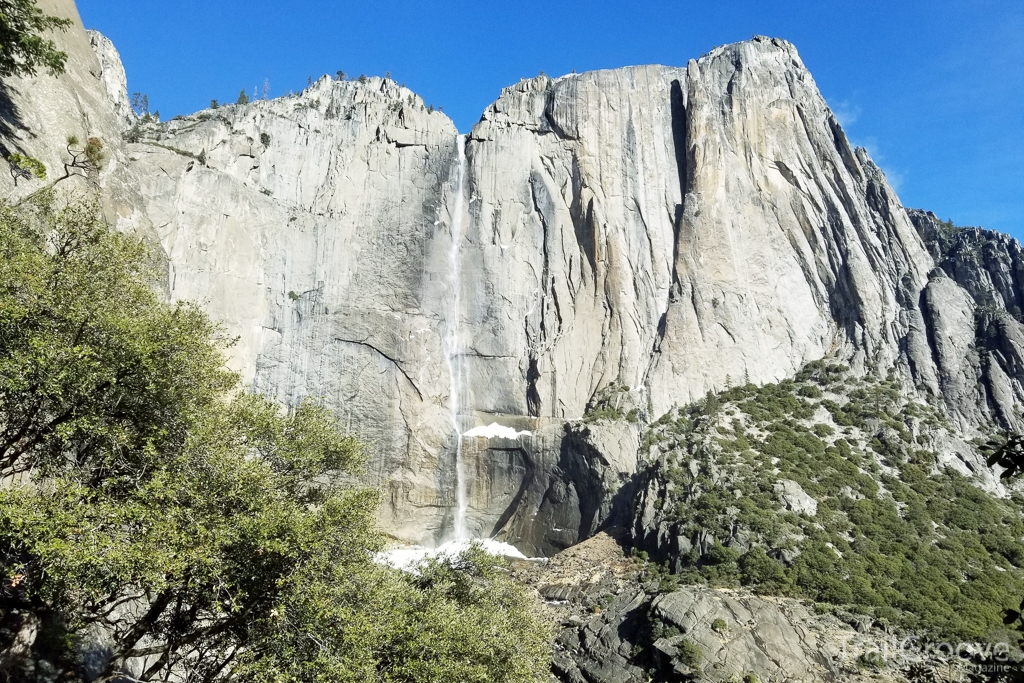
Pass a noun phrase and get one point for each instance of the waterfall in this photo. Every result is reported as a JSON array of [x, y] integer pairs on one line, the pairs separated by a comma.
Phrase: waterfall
[[452, 342]]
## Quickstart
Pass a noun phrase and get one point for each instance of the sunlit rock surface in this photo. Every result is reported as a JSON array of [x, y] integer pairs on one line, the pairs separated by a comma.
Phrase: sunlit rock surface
[[630, 240]]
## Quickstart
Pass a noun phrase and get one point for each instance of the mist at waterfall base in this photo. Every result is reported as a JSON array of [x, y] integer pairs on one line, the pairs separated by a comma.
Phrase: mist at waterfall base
[[407, 558]]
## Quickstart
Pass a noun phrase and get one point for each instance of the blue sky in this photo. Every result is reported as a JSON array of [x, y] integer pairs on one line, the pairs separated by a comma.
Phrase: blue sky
[[934, 90]]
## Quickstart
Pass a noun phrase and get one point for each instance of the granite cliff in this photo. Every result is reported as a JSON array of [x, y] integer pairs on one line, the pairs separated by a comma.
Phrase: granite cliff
[[599, 249]]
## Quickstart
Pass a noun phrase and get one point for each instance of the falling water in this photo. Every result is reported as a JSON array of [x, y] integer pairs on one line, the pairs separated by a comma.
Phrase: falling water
[[452, 343]]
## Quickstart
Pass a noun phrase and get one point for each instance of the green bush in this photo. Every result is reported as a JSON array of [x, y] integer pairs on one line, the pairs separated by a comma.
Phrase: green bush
[[26, 167], [690, 654], [762, 572], [822, 430]]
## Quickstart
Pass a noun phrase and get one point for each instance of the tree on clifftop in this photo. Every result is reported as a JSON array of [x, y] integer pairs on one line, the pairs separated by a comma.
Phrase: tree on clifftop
[[22, 47]]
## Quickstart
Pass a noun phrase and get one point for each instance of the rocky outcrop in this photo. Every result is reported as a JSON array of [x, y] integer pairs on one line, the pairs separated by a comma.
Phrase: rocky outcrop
[[988, 264], [972, 312], [620, 623], [653, 232], [114, 78]]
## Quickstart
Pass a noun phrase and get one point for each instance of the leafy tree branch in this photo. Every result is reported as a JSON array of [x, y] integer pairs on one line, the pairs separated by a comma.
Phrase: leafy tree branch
[[23, 48]]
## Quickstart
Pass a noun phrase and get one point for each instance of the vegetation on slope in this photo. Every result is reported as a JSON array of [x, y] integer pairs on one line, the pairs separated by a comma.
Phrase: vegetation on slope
[[895, 535], [158, 521]]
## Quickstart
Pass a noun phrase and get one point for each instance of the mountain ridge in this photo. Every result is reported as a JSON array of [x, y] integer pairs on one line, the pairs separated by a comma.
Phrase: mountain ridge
[[640, 236]]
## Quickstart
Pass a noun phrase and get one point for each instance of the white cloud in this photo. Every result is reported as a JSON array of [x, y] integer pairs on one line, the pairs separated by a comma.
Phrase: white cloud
[[846, 112], [896, 177]]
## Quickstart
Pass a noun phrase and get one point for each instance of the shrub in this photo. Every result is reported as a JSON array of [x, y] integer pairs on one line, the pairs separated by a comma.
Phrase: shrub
[[823, 430], [810, 391], [690, 654], [760, 571], [23, 166]]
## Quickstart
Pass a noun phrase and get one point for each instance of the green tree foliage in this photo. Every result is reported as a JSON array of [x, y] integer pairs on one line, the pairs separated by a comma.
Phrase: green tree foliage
[[23, 49], [187, 562], [25, 167], [1007, 452], [140, 104], [458, 619], [242, 98], [159, 522], [85, 160], [757, 569], [94, 370]]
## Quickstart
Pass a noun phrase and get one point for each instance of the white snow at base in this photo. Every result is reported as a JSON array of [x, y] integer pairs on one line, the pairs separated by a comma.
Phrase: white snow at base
[[494, 430], [407, 557]]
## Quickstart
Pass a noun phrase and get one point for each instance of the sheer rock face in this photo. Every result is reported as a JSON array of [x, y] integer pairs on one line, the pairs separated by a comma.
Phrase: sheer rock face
[[669, 230], [316, 227], [790, 244], [115, 80]]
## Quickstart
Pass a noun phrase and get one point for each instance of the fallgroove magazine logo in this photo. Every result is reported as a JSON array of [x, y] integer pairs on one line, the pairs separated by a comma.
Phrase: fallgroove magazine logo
[[988, 659]]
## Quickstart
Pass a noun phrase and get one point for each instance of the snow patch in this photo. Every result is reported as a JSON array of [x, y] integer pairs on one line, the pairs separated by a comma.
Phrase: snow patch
[[495, 430], [406, 558]]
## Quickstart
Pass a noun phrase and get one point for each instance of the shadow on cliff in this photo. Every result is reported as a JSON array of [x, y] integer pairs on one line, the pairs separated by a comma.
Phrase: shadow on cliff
[[623, 512], [530, 466], [583, 496], [10, 117]]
